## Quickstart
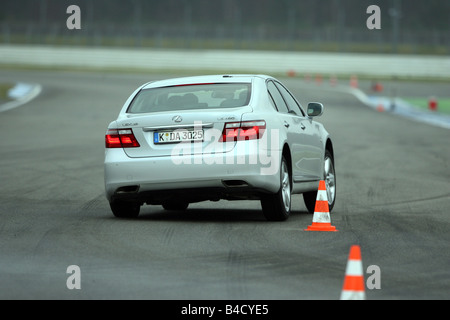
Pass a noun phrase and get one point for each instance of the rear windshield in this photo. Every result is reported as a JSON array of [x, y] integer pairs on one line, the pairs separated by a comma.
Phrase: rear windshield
[[186, 97]]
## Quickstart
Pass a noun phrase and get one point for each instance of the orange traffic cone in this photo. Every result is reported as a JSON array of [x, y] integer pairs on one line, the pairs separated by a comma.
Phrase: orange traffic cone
[[432, 104], [333, 80], [377, 87], [291, 73], [380, 107], [353, 288], [354, 81], [321, 219], [319, 79]]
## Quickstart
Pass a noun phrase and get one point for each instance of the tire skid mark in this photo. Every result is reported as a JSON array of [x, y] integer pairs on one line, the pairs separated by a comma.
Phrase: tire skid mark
[[236, 274], [168, 235], [93, 204], [443, 196]]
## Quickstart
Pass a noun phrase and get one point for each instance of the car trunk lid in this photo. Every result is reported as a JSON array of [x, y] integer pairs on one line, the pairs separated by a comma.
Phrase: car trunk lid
[[186, 132]]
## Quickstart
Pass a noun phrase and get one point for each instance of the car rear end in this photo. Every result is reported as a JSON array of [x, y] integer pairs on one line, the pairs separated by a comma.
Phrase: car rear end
[[196, 138]]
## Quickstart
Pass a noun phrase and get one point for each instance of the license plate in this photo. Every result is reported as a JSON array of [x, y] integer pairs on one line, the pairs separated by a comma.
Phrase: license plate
[[177, 136]]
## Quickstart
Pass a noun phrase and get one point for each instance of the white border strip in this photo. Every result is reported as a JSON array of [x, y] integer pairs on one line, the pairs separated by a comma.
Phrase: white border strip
[[402, 108], [35, 90], [228, 60]]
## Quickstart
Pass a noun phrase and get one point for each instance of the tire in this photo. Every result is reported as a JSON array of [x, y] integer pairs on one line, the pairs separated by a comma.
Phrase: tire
[[329, 175], [175, 206], [277, 207], [124, 209]]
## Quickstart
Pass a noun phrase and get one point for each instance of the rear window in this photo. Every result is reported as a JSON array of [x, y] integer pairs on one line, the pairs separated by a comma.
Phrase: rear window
[[195, 96]]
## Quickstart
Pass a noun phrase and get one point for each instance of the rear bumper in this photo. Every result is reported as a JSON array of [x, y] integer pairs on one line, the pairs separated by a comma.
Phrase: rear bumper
[[208, 176]]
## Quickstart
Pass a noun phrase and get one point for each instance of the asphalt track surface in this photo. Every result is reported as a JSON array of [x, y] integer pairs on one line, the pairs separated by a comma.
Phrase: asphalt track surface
[[393, 200]]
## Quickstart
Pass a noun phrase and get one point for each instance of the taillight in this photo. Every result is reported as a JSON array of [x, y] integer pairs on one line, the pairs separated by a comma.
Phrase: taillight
[[120, 138], [240, 131]]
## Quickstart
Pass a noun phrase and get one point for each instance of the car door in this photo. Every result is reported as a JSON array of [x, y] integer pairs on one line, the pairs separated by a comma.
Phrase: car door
[[306, 145], [290, 123]]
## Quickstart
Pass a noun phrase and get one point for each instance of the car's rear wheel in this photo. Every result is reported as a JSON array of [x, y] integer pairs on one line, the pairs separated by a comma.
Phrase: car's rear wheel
[[125, 209], [329, 176], [277, 207]]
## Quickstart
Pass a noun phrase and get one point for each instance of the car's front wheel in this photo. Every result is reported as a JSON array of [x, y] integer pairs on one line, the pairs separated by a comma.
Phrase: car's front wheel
[[124, 209], [329, 176], [277, 207]]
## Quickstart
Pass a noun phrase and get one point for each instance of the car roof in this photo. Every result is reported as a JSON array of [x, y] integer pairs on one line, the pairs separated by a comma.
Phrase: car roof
[[223, 78]]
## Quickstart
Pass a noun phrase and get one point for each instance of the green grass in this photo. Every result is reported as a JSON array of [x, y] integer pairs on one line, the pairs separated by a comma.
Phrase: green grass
[[4, 88], [422, 103]]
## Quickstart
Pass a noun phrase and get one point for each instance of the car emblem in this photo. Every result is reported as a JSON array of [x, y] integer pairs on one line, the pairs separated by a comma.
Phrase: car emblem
[[177, 119]]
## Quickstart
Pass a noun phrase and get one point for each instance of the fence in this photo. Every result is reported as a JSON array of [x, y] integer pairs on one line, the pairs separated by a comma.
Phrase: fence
[[327, 39]]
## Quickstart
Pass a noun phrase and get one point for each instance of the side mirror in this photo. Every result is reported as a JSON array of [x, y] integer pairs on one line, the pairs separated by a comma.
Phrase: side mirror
[[315, 109]]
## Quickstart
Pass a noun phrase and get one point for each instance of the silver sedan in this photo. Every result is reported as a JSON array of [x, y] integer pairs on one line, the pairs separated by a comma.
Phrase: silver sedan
[[233, 137]]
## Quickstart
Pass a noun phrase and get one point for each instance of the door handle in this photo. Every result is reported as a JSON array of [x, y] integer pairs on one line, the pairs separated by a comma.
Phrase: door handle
[[286, 124], [302, 126]]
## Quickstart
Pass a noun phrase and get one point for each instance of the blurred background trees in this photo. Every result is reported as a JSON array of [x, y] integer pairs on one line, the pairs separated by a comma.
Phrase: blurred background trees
[[408, 26]]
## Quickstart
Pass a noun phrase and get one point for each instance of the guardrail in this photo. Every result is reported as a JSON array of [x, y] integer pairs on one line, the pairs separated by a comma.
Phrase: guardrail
[[408, 66]]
